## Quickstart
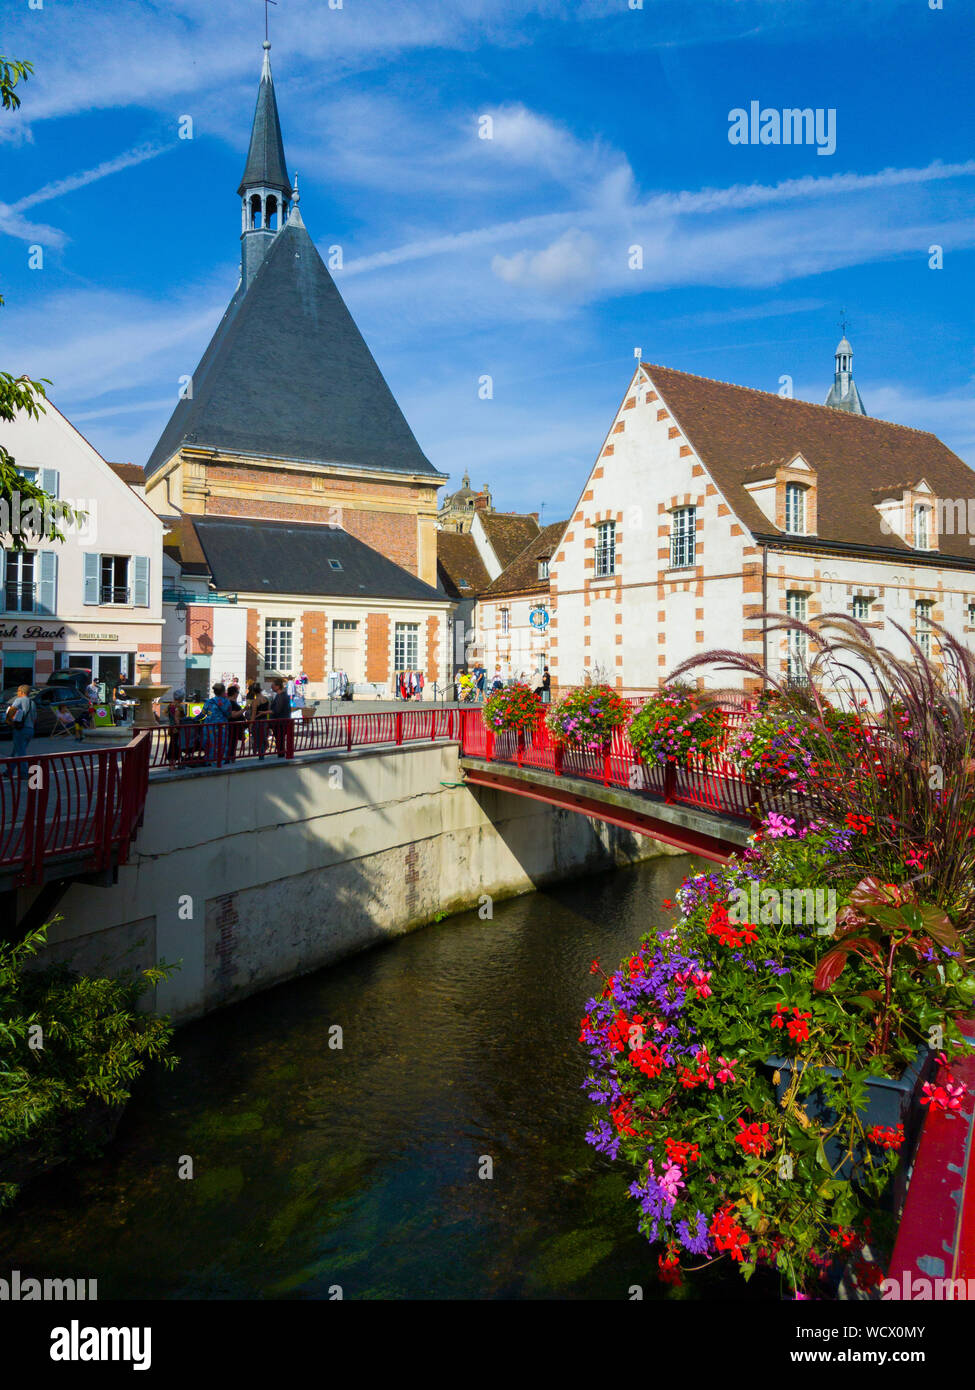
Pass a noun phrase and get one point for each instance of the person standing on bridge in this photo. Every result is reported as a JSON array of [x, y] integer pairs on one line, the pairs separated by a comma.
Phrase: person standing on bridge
[[216, 718], [280, 714], [21, 714]]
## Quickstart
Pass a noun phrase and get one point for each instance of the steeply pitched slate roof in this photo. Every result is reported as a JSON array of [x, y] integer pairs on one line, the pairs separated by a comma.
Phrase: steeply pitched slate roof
[[735, 430], [288, 375], [265, 158], [521, 576], [282, 557], [462, 569], [509, 533]]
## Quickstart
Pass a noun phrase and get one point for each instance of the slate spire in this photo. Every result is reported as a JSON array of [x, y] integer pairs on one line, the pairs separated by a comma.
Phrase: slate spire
[[843, 393], [264, 189]]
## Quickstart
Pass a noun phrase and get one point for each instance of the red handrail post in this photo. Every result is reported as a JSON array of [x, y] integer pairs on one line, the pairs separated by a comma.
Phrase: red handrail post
[[348, 733], [670, 782], [489, 745], [289, 738], [433, 725], [559, 754], [398, 716]]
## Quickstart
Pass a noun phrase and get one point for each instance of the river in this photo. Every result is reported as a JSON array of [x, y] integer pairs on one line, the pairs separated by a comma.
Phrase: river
[[364, 1169]]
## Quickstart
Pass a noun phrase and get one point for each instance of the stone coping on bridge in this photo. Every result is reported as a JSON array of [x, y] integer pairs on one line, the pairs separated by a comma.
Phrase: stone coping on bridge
[[707, 824], [310, 755]]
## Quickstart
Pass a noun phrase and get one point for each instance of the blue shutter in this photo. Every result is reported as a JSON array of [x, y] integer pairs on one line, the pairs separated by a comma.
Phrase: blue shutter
[[47, 480], [141, 582], [93, 566], [47, 587]]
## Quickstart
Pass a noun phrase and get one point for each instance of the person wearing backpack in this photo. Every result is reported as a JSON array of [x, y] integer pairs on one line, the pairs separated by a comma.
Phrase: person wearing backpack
[[22, 716]]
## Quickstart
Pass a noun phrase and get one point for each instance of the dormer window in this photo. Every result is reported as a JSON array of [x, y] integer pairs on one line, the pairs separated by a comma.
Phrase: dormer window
[[795, 509], [922, 516], [543, 569]]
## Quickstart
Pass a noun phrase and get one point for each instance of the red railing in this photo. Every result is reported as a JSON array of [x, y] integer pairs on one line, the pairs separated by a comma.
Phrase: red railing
[[217, 745], [84, 806], [713, 784]]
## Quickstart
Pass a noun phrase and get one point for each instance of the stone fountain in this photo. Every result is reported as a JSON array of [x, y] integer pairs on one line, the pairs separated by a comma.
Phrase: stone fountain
[[145, 695]]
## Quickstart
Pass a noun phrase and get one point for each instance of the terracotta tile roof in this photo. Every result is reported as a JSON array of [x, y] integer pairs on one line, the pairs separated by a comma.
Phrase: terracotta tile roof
[[521, 576], [736, 430], [461, 568], [509, 533], [129, 473]]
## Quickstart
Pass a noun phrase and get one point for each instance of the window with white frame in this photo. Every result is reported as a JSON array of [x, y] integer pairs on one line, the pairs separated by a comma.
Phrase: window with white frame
[[543, 569], [922, 539], [19, 580], [278, 644], [795, 509], [406, 647], [683, 537], [861, 607], [605, 549], [922, 624], [971, 612], [797, 606], [504, 621]]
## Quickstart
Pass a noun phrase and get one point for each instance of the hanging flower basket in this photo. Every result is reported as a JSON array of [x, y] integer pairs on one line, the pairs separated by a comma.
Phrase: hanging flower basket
[[513, 707], [586, 718], [674, 725]]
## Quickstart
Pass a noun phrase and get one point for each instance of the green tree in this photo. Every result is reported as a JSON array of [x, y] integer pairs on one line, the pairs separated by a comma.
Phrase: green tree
[[27, 512]]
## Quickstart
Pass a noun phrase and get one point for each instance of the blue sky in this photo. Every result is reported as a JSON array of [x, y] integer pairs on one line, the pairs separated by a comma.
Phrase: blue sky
[[506, 257]]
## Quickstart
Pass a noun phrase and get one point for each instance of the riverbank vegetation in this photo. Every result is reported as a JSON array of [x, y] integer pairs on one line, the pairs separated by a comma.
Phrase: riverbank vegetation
[[71, 1049]]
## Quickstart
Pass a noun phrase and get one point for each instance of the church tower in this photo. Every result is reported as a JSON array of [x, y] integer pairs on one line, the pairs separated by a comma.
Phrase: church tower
[[264, 189], [843, 393], [287, 417]]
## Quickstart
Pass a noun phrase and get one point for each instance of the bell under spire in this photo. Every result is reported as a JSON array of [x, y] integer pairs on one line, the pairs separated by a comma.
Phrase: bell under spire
[[265, 190], [843, 394]]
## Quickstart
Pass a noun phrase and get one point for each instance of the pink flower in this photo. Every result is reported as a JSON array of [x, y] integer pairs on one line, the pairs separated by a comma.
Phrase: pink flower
[[726, 1070]]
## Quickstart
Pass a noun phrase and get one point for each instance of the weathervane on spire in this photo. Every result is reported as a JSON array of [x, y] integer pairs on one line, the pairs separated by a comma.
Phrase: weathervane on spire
[[267, 36], [844, 323]]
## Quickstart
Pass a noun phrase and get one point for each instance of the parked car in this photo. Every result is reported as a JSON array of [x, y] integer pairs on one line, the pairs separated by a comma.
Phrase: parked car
[[76, 677], [46, 698]]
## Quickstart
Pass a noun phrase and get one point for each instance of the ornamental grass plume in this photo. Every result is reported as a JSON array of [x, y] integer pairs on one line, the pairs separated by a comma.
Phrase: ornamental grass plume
[[900, 774]]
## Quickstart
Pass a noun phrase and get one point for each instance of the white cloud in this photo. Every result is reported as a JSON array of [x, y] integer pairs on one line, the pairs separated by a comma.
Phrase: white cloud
[[567, 264]]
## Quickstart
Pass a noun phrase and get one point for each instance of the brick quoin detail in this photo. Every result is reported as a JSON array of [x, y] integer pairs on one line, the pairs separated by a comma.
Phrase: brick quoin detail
[[313, 644], [377, 647], [250, 660], [433, 649]]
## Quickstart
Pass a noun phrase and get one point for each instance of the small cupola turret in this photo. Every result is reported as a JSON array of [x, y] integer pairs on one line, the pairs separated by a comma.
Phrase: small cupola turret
[[265, 190]]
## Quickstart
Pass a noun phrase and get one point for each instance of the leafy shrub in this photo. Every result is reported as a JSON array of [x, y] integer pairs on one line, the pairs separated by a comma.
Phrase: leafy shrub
[[71, 1049]]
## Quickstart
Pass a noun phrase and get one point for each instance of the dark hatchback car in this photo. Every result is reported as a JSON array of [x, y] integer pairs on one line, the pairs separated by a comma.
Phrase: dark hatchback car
[[47, 698]]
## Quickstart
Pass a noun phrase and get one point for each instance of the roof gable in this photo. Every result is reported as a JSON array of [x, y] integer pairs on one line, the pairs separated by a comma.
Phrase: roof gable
[[288, 375], [735, 431]]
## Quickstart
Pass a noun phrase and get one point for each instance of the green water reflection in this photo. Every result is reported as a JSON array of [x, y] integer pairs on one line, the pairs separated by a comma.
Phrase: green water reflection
[[359, 1168]]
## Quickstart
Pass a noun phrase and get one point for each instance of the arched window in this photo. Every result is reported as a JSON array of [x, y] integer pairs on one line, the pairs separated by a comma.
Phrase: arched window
[[272, 213], [255, 212], [795, 509]]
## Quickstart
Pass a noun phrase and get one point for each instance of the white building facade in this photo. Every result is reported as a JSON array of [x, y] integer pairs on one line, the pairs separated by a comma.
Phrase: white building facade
[[711, 503], [95, 600]]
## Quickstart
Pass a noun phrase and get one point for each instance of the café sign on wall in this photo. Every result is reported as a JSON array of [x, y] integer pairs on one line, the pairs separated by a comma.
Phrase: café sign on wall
[[31, 630]]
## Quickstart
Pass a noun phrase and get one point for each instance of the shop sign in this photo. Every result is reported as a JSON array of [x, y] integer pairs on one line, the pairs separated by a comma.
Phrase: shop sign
[[31, 630], [97, 636]]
